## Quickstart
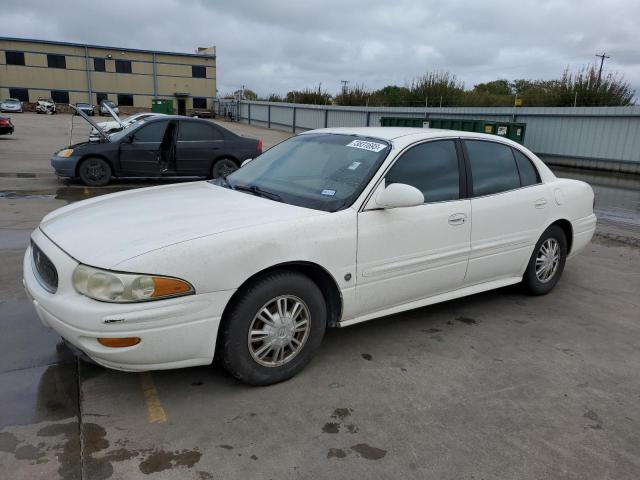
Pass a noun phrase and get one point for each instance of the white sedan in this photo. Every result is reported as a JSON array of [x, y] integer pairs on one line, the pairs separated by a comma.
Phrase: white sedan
[[327, 229], [112, 126]]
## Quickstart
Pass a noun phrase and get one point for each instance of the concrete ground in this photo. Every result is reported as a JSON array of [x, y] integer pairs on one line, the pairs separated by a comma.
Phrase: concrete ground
[[498, 385]]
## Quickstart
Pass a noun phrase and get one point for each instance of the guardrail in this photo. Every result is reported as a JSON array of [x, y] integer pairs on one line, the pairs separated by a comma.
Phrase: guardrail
[[605, 138]]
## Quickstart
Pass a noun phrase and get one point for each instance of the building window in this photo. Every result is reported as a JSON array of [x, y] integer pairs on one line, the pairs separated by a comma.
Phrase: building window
[[60, 96], [199, 102], [21, 94], [125, 100], [198, 71], [14, 58], [99, 65], [56, 61], [101, 96], [123, 66]]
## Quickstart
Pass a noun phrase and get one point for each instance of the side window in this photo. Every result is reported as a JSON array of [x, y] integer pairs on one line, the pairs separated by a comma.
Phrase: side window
[[493, 167], [152, 132], [432, 168], [197, 131], [528, 173]]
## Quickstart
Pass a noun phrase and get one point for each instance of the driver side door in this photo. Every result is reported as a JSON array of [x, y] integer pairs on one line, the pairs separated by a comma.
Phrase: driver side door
[[140, 155], [411, 253]]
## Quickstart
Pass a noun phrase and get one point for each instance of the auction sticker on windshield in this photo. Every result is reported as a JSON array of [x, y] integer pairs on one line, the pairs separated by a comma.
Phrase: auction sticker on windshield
[[364, 145]]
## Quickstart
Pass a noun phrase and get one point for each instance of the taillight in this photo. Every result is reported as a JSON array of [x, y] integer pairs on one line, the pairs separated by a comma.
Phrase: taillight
[[260, 145], [6, 122]]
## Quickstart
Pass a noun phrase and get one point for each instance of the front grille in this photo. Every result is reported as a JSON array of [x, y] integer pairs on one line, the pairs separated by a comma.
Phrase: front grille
[[46, 272]]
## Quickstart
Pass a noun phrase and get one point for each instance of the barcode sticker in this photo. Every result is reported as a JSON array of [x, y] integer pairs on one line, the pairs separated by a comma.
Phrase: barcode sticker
[[365, 145]]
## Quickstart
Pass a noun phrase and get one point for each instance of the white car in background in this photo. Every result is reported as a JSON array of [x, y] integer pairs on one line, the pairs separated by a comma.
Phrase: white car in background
[[11, 105], [115, 126], [327, 229], [103, 110]]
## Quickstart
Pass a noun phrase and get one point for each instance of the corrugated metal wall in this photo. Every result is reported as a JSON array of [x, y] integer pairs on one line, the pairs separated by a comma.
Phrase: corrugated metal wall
[[591, 136]]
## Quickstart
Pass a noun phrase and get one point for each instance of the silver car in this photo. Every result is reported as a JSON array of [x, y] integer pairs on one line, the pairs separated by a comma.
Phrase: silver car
[[105, 111], [11, 105]]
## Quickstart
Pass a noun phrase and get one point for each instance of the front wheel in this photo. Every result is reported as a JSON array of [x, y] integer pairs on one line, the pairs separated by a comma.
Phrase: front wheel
[[223, 166], [273, 329], [94, 172], [547, 262]]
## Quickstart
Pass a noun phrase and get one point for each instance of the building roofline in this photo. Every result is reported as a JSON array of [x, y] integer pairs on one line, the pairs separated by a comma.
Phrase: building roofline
[[105, 47]]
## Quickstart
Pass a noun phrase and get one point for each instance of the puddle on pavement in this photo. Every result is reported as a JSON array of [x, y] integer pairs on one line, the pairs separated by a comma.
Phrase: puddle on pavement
[[617, 194]]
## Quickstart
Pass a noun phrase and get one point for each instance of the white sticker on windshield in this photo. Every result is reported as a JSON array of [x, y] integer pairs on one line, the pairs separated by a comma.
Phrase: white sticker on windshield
[[353, 166], [328, 193], [364, 145]]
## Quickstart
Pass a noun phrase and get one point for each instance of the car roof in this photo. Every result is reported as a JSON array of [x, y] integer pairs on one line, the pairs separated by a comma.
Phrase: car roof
[[408, 134]]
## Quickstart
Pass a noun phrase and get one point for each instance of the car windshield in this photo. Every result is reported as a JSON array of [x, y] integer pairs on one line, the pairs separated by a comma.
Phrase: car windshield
[[82, 105], [12, 100], [109, 102], [321, 171]]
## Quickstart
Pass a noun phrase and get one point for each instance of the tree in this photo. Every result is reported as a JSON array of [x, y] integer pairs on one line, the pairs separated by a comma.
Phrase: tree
[[314, 97]]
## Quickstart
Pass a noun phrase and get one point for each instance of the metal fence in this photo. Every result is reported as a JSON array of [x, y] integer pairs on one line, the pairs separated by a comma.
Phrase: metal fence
[[606, 138]]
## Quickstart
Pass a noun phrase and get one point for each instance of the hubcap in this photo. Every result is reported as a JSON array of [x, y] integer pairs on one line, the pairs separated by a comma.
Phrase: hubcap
[[95, 170], [279, 331], [224, 167], [548, 260]]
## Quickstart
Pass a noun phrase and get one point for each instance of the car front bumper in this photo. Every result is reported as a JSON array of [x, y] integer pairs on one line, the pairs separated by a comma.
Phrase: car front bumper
[[6, 130], [174, 333], [64, 166]]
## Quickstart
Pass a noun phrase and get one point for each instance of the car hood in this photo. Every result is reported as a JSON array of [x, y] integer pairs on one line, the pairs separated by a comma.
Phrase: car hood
[[107, 230]]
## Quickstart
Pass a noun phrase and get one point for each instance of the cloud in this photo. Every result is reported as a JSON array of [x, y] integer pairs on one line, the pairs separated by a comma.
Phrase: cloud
[[273, 46]]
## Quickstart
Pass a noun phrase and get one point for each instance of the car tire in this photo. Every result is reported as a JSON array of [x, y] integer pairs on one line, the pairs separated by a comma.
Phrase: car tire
[[223, 166], [94, 172], [261, 347], [547, 262]]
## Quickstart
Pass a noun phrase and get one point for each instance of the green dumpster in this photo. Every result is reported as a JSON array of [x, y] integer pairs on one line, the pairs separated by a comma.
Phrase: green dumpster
[[162, 105], [512, 130]]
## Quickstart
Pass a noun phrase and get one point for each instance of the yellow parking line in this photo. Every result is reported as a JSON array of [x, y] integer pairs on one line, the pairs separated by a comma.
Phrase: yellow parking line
[[154, 407]]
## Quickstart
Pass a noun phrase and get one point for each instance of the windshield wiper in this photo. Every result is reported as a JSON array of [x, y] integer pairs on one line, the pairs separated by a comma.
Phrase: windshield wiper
[[254, 189]]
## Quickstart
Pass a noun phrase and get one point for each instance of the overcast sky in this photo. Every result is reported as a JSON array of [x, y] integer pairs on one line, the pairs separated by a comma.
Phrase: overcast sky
[[271, 46]]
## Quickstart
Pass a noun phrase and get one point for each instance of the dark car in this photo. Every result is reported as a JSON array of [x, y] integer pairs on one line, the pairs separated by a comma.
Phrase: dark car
[[85, 107], [6, 127], [166, 146]]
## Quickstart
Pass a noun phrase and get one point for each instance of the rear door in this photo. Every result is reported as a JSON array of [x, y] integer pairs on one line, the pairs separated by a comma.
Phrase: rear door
[[199, 143], [140, 156], [509, 207]]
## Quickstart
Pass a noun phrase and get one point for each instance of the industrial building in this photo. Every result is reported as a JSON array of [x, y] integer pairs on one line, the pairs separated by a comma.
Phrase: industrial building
[[132, 78]]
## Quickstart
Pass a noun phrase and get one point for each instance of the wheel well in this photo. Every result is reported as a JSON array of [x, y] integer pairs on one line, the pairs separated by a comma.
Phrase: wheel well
[[566, 227], [229, 157], [86, 157], [320, 277]]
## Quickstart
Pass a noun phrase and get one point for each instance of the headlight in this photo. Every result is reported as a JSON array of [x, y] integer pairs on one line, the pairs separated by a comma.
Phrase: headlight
[[117, 287], [66, 152]]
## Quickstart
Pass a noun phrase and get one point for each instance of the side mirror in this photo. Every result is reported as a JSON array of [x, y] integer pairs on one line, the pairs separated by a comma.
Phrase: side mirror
[[246, 161], [398, 195]]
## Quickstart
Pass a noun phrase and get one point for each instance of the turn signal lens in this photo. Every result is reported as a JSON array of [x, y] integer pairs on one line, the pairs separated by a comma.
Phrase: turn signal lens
[[166, 287], [119, 342], [66, 152]]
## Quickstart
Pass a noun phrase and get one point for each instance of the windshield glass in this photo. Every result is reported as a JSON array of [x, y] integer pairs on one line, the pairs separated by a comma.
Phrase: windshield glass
[[321, 171], [82, 105]]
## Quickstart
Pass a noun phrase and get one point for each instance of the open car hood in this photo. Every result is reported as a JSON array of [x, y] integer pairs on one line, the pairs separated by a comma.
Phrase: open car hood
[[90, 121], [112, 113]]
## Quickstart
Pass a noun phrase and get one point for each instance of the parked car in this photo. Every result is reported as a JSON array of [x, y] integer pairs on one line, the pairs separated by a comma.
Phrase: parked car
[[119, 124], [172, 146], [105, 111], [85, 107], [11, 105], [327, 229], [6, 127], [45, 105]]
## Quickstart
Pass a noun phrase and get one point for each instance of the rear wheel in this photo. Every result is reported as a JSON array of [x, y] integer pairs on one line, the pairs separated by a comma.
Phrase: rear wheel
[[547, 262], [274, 328], [94, 172], [223, 166]]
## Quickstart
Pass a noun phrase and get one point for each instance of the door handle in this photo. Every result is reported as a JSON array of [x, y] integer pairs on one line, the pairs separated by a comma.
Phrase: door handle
[[457, 219], [540, 203]]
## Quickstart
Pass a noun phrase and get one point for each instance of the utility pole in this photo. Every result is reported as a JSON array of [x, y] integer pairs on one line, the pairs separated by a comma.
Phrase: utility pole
[[344, 85], [602, 57]]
